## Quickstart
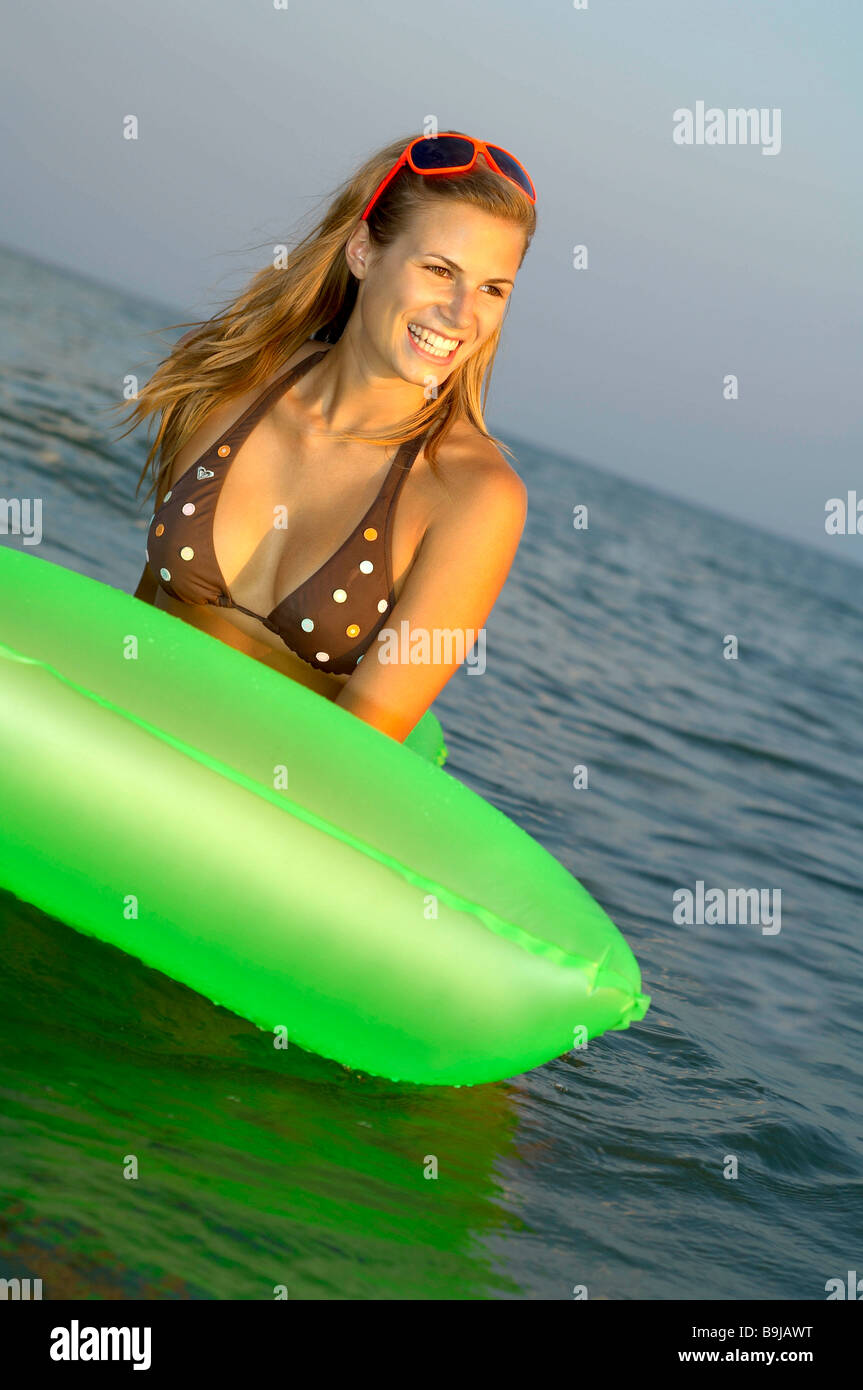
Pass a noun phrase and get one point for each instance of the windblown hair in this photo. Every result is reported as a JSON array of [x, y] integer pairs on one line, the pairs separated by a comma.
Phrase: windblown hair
[[313, 296]]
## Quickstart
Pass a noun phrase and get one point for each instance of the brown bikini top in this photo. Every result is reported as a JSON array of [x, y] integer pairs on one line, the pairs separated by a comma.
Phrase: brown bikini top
[[334, 616]]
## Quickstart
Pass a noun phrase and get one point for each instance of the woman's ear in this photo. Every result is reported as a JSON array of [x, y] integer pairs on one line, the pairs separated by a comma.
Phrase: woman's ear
[[357, 250]]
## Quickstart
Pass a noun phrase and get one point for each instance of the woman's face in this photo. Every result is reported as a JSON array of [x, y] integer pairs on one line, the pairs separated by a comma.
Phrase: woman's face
[[434, 296]]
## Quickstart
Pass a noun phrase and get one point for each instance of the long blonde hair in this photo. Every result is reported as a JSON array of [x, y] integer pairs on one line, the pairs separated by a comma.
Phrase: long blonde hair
[[314, 295]]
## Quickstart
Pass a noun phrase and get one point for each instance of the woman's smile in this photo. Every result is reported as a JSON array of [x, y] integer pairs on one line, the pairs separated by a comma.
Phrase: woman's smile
[[432, 346]]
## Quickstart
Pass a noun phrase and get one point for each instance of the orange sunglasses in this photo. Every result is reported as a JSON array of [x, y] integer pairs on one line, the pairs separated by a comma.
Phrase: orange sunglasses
[[455, 154]]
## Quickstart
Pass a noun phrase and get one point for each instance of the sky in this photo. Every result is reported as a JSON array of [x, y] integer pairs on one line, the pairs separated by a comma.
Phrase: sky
[[704, 261]]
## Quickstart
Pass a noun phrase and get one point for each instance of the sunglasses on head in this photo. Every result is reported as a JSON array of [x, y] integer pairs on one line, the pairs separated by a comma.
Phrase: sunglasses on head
[[455, 154]]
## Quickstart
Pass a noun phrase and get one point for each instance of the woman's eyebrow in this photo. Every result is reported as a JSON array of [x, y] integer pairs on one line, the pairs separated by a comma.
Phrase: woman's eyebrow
[[493, 280]]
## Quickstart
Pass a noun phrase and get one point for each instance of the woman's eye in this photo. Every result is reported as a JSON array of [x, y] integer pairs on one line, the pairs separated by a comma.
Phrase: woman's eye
[[446, 271]]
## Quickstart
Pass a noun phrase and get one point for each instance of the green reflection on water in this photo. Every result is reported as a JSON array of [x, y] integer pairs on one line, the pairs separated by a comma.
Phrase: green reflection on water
[[257, 1166]]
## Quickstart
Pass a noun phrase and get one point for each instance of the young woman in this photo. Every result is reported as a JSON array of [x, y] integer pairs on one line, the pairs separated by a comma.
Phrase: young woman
[[324, 471]]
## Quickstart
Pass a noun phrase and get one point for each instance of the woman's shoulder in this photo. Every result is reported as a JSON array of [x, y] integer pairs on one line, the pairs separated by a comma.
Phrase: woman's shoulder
[[223, 414], [470, 489], [470, 465], [307, 349]]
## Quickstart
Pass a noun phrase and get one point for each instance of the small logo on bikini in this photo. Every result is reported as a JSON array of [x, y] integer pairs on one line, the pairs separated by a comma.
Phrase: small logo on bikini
[[205, 472]]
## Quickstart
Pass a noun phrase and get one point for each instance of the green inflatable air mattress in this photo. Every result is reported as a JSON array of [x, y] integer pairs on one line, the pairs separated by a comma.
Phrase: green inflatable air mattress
[[259, 844]]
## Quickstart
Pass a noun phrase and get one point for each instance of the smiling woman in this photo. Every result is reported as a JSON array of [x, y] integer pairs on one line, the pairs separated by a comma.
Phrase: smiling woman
[[322, 469], [325, 480]]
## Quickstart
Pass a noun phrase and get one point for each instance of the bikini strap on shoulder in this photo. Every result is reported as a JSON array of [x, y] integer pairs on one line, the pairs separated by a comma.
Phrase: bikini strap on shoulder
[[242, 427], [401, 466]]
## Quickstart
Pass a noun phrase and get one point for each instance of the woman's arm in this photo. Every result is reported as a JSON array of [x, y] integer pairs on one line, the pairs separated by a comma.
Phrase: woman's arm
[[463, 560]]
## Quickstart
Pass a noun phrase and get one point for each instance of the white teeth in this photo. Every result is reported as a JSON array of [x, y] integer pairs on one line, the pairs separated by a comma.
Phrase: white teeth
[[432, 342]]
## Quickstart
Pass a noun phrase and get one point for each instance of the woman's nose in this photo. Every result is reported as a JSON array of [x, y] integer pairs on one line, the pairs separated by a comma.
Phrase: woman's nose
[[457, 312]]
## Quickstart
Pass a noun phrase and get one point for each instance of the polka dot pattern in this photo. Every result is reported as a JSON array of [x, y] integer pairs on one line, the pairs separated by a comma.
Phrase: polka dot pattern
[[180, 542]]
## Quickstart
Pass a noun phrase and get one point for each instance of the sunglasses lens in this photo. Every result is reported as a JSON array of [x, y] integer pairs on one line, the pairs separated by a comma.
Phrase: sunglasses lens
[[512, 170], [446, 152]]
